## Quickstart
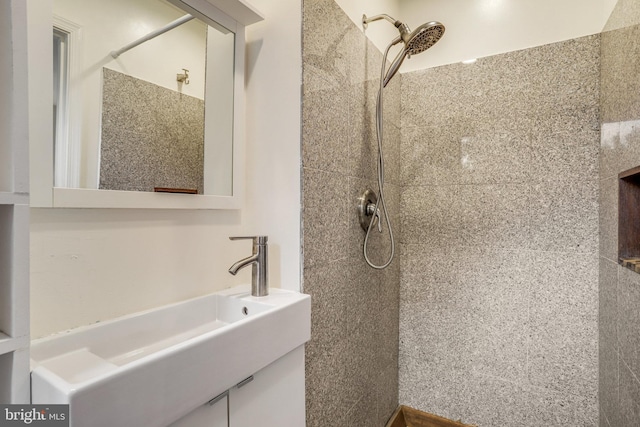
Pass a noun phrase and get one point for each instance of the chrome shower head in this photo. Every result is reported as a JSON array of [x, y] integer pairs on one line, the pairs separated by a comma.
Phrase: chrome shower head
[[425, 36]]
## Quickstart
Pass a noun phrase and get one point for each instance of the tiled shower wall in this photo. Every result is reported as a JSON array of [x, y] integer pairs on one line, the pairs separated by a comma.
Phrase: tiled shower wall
[[151, 136], [499, 242], [619, 150], [352, 358]]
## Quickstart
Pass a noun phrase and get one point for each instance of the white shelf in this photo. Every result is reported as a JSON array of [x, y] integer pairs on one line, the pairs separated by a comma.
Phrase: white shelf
[[13, 198], [9, 345]]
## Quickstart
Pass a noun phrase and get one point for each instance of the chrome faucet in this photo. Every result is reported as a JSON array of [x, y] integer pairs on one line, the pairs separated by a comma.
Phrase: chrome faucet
[[258, 261]]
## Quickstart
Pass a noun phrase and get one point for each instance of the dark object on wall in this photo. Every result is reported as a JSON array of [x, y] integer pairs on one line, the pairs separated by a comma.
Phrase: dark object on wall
[[175, 190], [629, 219]]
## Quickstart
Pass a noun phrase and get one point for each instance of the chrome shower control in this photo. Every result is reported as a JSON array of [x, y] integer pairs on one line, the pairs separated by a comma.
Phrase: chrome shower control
[[367, 209]]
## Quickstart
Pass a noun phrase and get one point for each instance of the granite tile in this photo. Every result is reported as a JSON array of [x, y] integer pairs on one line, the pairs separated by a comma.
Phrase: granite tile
[[387, 393], [365, 59], [493, 402], [608, 381], [430, 155], [564, 216], [620, 65], [625, 14], [495, 156], [156, 132], [363, 142], [324, 210], [569, 152], [430, 215], [431, 387], [629, 398], [325, 50], [629, 318], [609, 150], [550, 408], [325, 130], [608, 303], [608, 219], [442, 84], [494, 215], [565, 78], [329, 287], [327, 397], [565, 294], [498, 283], [563, 357], [364, 413]]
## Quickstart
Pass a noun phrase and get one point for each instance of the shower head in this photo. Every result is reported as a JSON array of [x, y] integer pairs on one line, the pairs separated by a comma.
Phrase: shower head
[[425, 36]]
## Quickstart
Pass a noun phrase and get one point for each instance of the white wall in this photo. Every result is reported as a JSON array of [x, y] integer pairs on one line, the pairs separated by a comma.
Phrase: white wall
[[481, 28], [95, 264]]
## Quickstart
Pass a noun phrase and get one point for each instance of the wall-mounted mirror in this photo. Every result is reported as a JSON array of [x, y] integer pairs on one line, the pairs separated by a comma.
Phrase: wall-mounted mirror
[[147, 104]]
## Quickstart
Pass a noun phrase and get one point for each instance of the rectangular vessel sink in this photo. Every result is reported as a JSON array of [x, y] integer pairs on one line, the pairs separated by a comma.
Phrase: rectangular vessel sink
[[152, 368]]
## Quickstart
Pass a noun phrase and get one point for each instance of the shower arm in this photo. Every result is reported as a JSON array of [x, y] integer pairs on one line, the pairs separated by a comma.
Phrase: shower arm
[[365, 20]]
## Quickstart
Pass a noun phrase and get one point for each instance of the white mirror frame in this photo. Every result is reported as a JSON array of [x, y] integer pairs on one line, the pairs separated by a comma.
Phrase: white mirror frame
[[232, 14]]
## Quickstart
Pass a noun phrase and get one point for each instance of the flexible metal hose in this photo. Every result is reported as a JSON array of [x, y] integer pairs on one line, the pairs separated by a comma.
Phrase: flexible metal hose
[[380, 202]]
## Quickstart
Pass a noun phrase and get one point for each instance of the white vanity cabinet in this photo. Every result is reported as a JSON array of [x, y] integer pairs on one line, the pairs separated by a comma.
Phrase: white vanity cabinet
[[272, 397], [208, 415]]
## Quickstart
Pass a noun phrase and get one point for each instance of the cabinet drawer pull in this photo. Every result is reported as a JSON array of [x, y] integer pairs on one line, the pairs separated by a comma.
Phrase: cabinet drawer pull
[[245, 381]]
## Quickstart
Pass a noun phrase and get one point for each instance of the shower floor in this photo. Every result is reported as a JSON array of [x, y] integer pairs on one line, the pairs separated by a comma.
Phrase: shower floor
[[409, 417]]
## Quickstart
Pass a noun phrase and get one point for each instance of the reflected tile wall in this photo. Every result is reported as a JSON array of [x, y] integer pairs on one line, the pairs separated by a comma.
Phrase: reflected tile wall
[[151, 136], [352, 358], [499, 242], [619, 321]]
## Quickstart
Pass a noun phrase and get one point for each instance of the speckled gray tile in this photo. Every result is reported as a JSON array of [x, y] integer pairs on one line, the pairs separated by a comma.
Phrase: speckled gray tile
[[564, 216], [564, 294], [328, 285], [620, 67], [325, 47], [430, 214], [629, 318], [568, 152], [608, 303], [387, 396], [431, 155], [325, 131], [608, 381], [141, 130], [564, 357], [629, 398], [550, 408], [494, 215], [493, 402], [495, 156], [325, 231], [363, 143], [608, 222]]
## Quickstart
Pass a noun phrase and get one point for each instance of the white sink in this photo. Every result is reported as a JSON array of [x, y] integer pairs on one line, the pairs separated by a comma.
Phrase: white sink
[[153, 367]]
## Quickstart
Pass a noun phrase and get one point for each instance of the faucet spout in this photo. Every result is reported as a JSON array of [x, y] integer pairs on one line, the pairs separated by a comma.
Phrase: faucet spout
[[243, 263], [258, 260]]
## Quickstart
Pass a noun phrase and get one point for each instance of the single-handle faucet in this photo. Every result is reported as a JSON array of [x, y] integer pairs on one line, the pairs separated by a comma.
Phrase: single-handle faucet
[[258, 261]]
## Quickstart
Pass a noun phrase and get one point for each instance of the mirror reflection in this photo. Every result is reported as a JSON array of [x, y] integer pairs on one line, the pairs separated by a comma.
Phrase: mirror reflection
[[132, 79]]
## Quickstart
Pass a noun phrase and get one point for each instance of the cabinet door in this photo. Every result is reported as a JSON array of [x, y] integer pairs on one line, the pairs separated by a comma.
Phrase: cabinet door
[[275, 397], [206, 416]]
